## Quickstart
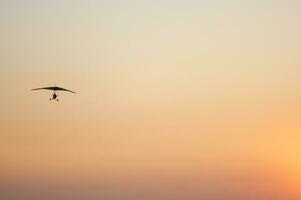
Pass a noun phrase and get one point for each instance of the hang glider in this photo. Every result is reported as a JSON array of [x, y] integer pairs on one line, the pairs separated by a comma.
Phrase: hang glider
[[54, 89]]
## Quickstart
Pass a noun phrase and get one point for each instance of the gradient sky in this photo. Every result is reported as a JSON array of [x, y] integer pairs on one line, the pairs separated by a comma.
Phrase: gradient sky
[[176, 100]]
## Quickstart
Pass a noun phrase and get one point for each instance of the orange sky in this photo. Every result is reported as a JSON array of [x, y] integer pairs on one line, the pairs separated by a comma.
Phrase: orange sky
[[175, 100]]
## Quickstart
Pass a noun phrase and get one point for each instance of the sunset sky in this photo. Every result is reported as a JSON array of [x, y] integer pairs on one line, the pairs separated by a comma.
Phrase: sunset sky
[[176, 100]]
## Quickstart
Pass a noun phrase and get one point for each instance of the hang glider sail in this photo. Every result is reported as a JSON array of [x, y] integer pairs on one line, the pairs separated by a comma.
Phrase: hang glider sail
[[54, 89]]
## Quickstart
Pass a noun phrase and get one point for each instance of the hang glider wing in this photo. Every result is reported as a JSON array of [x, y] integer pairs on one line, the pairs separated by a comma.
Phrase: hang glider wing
[[54, 89]]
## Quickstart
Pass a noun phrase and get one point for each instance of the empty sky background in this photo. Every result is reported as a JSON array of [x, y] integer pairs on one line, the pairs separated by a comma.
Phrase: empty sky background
[[176, 100]]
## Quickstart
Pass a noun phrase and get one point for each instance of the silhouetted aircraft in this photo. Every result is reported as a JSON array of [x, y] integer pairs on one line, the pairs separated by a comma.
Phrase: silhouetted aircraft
[[54, 89]]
